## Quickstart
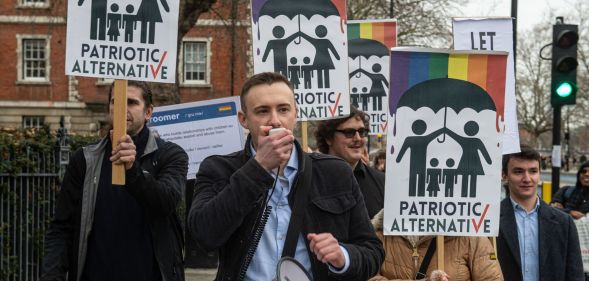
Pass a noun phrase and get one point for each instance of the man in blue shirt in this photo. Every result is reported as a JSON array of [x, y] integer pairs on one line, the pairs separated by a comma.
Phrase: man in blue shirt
[[335, 241], [536, 242]]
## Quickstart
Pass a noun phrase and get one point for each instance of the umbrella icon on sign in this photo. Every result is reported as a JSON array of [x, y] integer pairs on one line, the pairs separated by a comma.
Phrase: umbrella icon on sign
[[358, 48], [297, 8], [447, 93]]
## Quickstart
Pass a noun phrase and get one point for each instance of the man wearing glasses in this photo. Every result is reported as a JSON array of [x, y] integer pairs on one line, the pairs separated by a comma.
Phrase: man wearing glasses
[[346, 138]]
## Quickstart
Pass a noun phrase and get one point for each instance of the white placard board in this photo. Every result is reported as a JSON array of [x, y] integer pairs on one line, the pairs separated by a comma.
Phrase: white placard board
[[493, 34], [201, 128], [444, 138], [306, 41], [127, 39], [369, 43], [582, 225]]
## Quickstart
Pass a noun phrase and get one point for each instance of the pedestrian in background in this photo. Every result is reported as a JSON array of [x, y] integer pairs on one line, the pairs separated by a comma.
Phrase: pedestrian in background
[[575, 199]]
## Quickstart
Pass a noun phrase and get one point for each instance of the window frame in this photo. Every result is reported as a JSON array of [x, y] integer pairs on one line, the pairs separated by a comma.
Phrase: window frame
[[21, 58], [207, 71], [39, 120], [43, 4]]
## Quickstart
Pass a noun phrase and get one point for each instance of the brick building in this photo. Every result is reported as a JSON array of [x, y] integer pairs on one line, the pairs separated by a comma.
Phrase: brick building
[[34, 90]]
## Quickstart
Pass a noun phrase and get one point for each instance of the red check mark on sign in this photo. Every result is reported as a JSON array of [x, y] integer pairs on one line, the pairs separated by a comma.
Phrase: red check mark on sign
[[155, 71], [332, 110], [476, 225], [383, 127]]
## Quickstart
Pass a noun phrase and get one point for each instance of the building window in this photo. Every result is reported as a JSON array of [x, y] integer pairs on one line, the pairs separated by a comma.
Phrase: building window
[[195, 62], [33, 121], [33, 58], [104, 81], [34, 3]]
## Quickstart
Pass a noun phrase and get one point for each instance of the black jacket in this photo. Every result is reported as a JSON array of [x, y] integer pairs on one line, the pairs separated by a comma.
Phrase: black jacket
[[227, 203], [574, 197], [371, 183], [558, 244], [156, 180]]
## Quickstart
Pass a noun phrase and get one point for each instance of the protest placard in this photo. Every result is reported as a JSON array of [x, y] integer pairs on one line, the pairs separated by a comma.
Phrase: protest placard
[[369, 42], [582, 225], [493, 34], [201, 128], [305, 40], [444, 142], [129, 39]]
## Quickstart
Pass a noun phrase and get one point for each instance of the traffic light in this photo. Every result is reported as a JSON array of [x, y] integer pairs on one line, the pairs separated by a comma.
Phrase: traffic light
[[563, 88]]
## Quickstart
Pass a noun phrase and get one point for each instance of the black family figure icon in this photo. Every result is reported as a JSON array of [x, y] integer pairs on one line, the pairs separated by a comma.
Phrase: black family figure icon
[[361, 51], [445, 94], [108, 20]]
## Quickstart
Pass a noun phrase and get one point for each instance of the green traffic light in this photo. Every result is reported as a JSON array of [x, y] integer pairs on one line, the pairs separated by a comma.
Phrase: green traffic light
[[564, 90]]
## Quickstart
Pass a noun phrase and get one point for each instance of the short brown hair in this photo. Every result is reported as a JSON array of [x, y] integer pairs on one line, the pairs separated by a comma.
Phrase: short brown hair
[[326, 129], [526, 153], [264, 78], [146, 92]]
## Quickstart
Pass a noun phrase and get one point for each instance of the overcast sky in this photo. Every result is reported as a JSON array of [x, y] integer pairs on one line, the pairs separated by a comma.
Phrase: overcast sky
[[530, 12]]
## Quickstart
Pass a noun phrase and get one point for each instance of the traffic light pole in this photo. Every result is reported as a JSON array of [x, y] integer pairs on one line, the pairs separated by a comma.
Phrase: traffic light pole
[[556, 144], [563, 87]]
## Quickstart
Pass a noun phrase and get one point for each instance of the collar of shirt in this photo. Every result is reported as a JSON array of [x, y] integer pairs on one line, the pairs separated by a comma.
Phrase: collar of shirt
[[527, 234], [518, 207]]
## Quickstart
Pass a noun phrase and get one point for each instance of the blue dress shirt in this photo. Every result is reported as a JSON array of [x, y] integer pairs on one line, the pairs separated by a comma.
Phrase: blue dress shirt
[[527, 234], [269, 250]]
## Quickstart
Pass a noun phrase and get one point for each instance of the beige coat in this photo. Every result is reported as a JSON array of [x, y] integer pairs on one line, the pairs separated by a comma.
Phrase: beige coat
[[466, 258]]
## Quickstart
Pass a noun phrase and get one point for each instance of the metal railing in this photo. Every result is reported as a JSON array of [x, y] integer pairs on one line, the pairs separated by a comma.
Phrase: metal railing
[[27, 202]]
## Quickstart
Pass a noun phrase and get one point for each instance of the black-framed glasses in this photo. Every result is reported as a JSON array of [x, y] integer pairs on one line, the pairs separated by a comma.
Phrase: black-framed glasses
[[350, 133]]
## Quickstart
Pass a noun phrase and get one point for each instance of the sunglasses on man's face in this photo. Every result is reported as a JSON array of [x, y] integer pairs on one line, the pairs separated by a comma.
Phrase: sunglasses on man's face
[[350, 133]]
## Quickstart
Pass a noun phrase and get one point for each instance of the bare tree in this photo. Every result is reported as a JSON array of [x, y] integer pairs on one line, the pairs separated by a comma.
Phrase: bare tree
[[534, 78], [580, 16], [420, 22], [576, 120], [533, 84], [189, 12]]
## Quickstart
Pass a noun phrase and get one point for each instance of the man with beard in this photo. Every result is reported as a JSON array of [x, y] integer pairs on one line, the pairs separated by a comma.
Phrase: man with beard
[[346, 138], [105, 232]]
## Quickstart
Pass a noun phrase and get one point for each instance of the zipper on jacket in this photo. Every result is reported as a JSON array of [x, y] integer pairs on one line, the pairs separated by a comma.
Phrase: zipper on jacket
[[415, 257], [255, 236]]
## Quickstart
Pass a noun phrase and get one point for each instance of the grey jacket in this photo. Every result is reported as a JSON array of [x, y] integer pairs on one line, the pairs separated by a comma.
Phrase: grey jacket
[[157, 182]]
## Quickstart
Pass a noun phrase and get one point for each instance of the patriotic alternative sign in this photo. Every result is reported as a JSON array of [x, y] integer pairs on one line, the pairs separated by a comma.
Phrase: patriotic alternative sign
[[444, 142], [368, 55], [305, 40], [127, 39], [493, 34]]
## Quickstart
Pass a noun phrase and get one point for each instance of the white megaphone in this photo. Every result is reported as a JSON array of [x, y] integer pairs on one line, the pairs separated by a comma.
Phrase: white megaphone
[[289, 269]]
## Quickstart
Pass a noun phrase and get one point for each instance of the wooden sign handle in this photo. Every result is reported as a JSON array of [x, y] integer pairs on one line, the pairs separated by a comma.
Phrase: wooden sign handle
[[119, 127], [494, 254], [440, 250]]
